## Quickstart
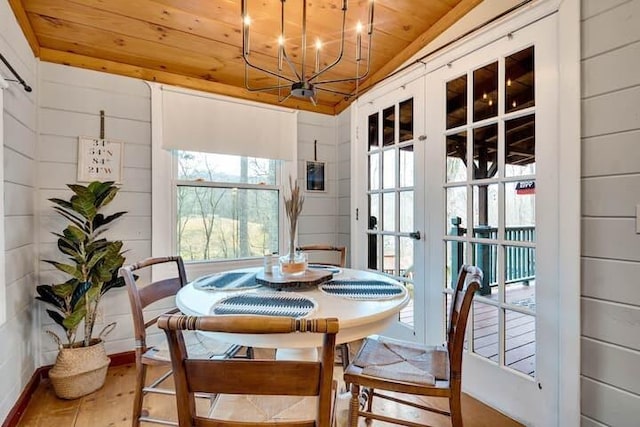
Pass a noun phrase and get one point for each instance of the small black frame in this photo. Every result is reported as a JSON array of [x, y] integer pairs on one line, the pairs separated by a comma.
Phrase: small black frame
[[315, 176]]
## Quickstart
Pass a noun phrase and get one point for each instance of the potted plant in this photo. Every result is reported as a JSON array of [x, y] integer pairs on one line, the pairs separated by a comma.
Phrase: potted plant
[[92, 266]]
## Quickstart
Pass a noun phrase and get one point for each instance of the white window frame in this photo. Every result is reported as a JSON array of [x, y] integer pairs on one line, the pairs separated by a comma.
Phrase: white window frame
[[163, 196]]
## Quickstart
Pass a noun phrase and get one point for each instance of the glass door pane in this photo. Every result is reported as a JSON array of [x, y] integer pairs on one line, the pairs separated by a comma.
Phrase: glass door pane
[[499, 193], [391, 194]]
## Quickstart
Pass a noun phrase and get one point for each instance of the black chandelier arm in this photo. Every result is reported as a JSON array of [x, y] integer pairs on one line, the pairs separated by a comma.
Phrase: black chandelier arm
[[261, 89], [334, 63], [291, 65], [256, 67], [355, 78], [337, 92]]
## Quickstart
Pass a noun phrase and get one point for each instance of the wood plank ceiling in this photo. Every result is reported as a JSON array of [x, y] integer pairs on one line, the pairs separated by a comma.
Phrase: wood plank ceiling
[[197, 44]]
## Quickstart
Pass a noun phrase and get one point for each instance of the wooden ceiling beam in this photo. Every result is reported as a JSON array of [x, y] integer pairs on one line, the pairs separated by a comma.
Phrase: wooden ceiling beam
[[460, 10], [112, 67]]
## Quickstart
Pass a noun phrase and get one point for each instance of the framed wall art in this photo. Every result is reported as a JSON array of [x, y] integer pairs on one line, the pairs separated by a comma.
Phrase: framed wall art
[[315, 176], [99, 160]]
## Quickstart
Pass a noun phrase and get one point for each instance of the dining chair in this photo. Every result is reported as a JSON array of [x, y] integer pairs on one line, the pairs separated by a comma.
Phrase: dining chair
[[413, 369], [161, 292], [332, 256], [252, 392], [326, 254]]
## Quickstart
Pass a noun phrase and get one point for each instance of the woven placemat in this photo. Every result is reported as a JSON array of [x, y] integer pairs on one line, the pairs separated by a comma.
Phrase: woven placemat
[[363, 289], [226, 281], [330, 268], [287, 304]]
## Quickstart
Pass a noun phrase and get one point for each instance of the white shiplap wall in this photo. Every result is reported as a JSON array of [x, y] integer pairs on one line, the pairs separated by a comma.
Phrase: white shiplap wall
[[344, 180], [70, 101], [610, 301], [18, 353], [318, 221]]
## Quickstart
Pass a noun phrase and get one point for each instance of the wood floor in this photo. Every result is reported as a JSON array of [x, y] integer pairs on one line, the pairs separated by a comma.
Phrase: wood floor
[[111, 407]]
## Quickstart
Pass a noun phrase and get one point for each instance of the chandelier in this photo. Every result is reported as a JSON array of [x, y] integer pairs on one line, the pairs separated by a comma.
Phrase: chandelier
[[299, 79]]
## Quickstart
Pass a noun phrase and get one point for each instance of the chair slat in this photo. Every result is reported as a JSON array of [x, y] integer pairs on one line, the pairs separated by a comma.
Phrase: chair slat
[[261, 377]]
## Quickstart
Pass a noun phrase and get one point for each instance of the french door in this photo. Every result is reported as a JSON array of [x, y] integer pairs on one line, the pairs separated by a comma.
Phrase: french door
[[492, 190], [390, 135]]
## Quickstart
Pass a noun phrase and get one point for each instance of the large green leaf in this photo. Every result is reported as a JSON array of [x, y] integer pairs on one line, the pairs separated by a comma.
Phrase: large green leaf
[[95, 258], [73, 320], [85, 206], [81, 191], [115, 282], [81, 223], [79, 292], [57, 317], [104, 198], [75, 234], [100, 220], [47, 294], [65, 289], [69, 248], [66, 268]]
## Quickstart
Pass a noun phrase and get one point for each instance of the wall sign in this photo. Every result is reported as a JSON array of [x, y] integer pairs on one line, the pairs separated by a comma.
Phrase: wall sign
[[99, 160], [526, 187]]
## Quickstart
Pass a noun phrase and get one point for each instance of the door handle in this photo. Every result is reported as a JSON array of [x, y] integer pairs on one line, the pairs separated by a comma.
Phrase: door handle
[[415, 235]]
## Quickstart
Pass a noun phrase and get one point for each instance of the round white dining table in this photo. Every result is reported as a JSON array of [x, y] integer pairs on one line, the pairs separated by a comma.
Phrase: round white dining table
[[358, 317]]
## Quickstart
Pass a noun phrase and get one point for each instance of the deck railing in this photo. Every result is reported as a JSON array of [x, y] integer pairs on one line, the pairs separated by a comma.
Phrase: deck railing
[[520, 261]]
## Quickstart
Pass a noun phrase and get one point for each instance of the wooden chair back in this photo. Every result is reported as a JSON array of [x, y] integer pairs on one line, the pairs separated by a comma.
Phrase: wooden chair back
[[339, 253], [461, 300], [250, 376], [141, 297]]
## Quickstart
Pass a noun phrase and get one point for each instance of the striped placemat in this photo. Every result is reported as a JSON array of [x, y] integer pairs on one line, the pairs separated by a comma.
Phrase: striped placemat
[[287, 304], [363, 289], [233, 281]]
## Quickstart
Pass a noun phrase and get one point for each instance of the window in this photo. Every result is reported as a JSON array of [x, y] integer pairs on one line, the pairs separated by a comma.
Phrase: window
[[227, 207]]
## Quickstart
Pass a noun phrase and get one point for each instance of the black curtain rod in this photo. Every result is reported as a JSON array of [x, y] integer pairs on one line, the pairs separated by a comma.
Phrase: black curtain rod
[[19, 79]]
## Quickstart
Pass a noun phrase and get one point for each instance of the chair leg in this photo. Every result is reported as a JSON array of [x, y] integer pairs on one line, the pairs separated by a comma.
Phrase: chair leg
[[141, 377], [344, 355], [354, 405], [369, 392], [455, 407]]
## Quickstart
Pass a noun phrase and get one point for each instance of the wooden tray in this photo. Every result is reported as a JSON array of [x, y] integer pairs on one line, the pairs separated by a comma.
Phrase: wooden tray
[[308, 279]]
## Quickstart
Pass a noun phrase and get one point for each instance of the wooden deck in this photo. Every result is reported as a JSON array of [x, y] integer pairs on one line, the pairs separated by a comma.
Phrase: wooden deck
[[520, 328]]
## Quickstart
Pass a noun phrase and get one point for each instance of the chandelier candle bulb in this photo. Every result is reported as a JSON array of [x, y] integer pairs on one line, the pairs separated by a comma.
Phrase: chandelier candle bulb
[[318, 46], [245, 39], [280, 51]]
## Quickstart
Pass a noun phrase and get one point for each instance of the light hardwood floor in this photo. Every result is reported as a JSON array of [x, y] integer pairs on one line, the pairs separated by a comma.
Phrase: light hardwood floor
[[111, 407]]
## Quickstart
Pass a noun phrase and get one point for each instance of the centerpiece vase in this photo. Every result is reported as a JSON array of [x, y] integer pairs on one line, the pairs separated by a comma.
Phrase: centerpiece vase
[[294, 262]]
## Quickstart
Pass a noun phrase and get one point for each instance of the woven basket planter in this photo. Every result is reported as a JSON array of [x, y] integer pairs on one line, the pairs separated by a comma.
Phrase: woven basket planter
[[79, 371]]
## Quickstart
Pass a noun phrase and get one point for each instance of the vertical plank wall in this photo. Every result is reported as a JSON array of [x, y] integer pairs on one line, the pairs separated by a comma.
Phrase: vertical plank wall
[[17, 352], [610, 302]]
